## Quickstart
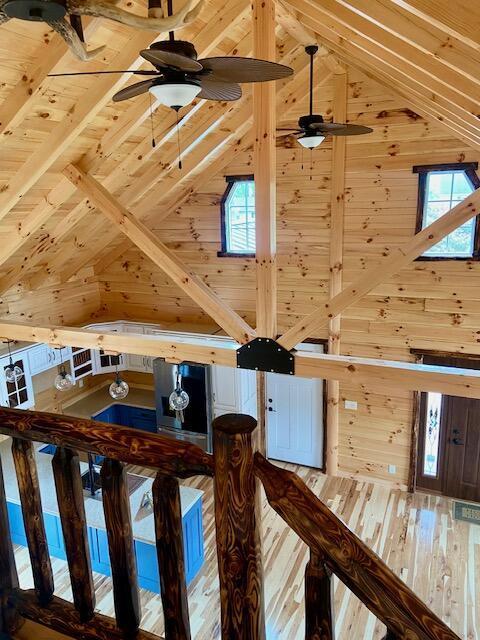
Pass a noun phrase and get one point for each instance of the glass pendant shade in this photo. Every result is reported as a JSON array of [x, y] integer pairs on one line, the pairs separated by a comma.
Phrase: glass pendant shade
[[13, 373], [119, 389], [175, 94], [179, 400], [64, 381], [311, 141]]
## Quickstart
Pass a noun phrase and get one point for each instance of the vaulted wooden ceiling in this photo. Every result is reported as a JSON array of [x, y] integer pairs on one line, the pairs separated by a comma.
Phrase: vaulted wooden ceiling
[[427, 52]]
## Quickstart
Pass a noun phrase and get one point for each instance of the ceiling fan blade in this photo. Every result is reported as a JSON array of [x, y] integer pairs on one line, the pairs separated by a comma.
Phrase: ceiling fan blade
[[351, 130], [325, 127], [133, 90], [233, 69], [136, 72], [171, 60], [212, 90], [290, 129]]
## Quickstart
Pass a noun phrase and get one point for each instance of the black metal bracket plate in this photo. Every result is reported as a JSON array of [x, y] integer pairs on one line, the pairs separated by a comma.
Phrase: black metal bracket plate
[[266, 354]]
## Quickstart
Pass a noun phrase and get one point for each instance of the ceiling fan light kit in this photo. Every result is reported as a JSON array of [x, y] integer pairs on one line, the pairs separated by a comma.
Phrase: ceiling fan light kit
[[175, 94], [311, 140]]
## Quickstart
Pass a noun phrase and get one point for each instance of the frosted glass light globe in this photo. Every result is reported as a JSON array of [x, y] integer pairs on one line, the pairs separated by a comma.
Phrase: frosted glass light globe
[[12, 374], [179, 400], [64, 381], [119, 389]]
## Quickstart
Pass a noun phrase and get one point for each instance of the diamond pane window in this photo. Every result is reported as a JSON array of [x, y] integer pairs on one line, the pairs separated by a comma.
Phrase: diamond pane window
[[440, 191], [238, 217], [432, 434]]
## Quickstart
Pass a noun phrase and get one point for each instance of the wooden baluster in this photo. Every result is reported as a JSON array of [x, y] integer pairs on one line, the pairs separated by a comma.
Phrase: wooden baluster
[[28, 487], [68, 483], [237, 526], [8, 570], [319, 617], [116, 505], [171, 562]]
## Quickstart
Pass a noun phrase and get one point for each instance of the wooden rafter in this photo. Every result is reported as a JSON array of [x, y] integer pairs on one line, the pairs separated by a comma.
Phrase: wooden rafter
[[399, 258], [367, 44], [146, 241], [363, 372], [337, 213], [265, 169]]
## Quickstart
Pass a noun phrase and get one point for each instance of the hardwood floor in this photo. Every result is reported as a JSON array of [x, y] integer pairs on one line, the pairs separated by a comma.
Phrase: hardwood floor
[[415, 534]]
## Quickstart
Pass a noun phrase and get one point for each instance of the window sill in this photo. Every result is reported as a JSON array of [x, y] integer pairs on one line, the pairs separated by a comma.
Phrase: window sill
[[443, 258], [229, 254]]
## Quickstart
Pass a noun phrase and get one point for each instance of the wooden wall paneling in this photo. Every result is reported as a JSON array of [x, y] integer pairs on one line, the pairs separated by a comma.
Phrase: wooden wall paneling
[[264, 124], [233, 324], [397, 260], [336, 268]]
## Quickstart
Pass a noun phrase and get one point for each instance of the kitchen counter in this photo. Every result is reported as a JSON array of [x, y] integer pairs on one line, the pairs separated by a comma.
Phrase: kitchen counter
[[99, 400], [142, 519]]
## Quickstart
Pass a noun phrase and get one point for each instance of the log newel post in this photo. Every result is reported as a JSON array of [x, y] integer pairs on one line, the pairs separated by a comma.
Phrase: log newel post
[[237, 521], [171, 561], [319, 616], [9, 620]]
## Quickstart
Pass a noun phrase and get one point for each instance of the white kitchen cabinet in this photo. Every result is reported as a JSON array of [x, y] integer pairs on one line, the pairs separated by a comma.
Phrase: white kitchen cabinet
[[144, 364], [43, 357], [18, 394]]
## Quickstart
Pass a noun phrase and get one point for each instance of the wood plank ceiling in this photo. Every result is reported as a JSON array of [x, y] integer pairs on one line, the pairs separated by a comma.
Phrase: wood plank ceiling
[[50, 234]]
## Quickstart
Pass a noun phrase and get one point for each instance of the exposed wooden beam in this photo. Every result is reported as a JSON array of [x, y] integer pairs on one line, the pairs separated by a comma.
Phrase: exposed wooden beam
[[454, 19], [399, 258], [146, 241], [367, 373], [265, 170], [337, 213]]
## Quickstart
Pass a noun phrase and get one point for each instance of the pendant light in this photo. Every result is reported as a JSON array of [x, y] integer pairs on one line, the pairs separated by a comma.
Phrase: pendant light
[[12, 372], [118, 389], [64, 380], [178, 399]]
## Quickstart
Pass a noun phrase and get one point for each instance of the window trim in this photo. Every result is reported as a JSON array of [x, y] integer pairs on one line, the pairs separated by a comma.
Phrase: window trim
[[231, 180], [470, 169]]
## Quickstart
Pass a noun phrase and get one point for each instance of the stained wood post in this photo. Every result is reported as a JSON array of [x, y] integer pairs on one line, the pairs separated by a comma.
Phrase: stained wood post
[[319, 616], [9, 620], [68, 483], [171, 562], [116, 505], [237, 518], [28, 487]]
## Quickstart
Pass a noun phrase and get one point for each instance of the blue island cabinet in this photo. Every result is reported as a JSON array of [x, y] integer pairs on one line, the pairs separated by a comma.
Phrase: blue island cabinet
[[145, 552]]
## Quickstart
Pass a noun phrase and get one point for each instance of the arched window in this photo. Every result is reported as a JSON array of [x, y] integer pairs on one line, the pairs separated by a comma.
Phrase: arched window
[[238, 217]]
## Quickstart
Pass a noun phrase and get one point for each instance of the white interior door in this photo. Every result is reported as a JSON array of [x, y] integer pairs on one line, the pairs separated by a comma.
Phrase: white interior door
[[294, 416]]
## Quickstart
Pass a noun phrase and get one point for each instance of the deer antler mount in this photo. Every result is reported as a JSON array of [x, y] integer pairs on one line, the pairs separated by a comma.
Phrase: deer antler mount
[[56, 12]]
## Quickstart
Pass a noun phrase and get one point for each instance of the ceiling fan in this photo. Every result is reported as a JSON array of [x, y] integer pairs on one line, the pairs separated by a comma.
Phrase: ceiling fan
[[179, 77], [55, 12], [313, 129]]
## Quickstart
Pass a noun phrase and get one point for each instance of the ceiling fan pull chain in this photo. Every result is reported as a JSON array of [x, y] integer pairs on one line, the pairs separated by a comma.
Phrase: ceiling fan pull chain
[[302, 157], [154, 144], [178, 145], [311, 163]]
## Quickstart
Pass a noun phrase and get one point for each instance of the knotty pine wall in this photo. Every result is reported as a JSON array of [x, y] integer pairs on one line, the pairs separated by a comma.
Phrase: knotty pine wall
[[429, 305]]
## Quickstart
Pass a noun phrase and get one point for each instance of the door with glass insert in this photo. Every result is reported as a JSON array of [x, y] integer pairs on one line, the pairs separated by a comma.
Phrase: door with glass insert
[[449, 446]]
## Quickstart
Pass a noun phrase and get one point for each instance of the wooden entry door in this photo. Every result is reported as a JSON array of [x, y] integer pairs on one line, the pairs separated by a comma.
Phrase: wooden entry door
[[449, 446], [462, 473]]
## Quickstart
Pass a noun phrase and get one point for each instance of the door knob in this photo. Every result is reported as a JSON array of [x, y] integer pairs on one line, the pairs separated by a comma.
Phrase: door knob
[[457, 441]]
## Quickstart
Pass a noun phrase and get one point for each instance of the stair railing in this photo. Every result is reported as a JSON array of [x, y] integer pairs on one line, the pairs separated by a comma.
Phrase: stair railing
[[236, 473]]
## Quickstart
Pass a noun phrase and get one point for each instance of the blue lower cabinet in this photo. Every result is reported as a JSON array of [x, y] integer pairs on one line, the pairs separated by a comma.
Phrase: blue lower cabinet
[[146, 553], [128, 416]]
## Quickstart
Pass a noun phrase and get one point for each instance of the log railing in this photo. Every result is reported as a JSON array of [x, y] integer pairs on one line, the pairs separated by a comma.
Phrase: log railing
[[236, 472]]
